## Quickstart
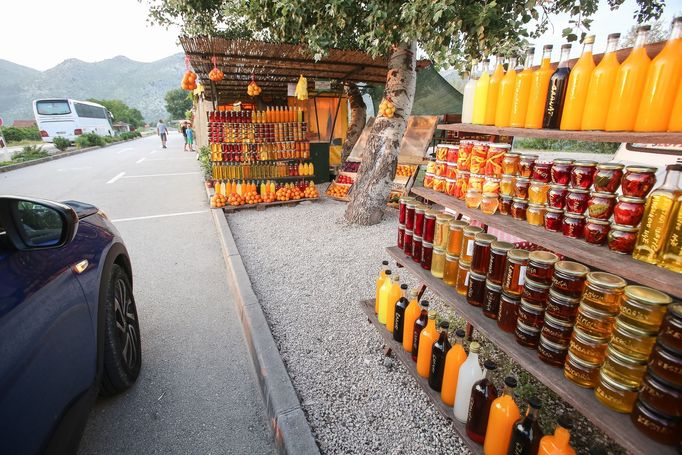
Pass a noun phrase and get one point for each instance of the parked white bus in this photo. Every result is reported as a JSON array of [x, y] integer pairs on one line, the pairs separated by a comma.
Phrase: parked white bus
[[70, 118]]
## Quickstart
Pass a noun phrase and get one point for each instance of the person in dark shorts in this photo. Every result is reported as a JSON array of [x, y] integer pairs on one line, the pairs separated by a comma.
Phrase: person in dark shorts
[[183, 130], [162, 131]]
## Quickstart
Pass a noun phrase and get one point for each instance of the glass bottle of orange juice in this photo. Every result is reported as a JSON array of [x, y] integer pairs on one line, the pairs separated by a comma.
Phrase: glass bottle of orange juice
[[675, 123], [663, 78], [519, 103], [629, 85], [559, 442], [455, 358], [393, 298], [384, 295], [601, 87], [503, 414], [427, 337], [505, 95], [538, 90], [493, 92], [481, 94], [411, 315], [380, 282], [576, 91]]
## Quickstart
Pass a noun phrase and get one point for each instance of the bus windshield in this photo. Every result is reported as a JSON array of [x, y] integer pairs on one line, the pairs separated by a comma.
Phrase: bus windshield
[[59, 107]]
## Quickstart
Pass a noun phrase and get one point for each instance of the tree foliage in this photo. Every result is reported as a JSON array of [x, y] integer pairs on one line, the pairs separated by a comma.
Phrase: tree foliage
[[177, 103], [122, 112], [659, 32]]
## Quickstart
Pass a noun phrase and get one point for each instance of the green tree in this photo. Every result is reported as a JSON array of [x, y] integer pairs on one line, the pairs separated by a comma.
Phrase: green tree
[[122, 112], [177, 103]]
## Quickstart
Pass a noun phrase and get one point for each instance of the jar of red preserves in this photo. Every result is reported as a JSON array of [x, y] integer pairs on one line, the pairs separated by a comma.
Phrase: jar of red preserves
[[622, 239], [541, 171], [576, 200], [556, 196], [561, 171], [638, 180], [582, 174], [526, 163], [600, 205], [452, 154], [608, 177], [596, 231], [629, 211], [573, 225], [553, 219]]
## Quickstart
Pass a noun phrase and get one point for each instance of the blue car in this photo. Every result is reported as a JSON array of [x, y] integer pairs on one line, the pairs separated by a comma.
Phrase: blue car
[[68, 321]]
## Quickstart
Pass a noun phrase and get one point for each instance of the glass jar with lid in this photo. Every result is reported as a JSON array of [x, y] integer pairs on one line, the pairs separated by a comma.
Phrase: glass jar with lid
[[595, 322], [505, 205], [429, 225], [604, 291], [562, 307], [510, 163], [417, 253], [531, 315], [629, 211], [554, 219], [600, 205], [462, 277], [515, 272], [451, 186], [573, 225], [401, 236], [615, 395], [644, 307], [661, 395], [596, 231], [535, 214], [498, 257], [440, 238], [622, 239], [455, 237], [561, 171], [419, 210], [535, 293], [491, 301], [489, 203], [670, 335], [507, 185], [551, 353], [479, 153], [608, 176], [526, 164], [428, 180], [588, 347], [450, 272], [526, 336], [623, 368], [537, 192], [632, 341], [557, 331], [409, 215], [556, 196], [464, 154], [581, 372], [666, 364], [468, 240], [473, 198], [655, 425], [518, 208], [508, 311], [582, 174], [541, 266], [638, 181], [541, 171], [476, 289], [462, 184], [521, 186], [476, 182], [576, 200], [569, 278], [481, 254], [407, 242], [402, 208], [427, 255], [438, 262]]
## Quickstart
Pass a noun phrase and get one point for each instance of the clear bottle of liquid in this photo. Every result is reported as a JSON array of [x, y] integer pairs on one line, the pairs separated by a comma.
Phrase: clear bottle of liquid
[[483, 393], [526, 433], [493, 92], [393, 298], [559, 442], [384, 295], [629, 85], [657, 217], [506, 95], [576, 90], [453, 361], [439, 353], [427, 338], [469, 373], [468, 100], [660, 88], [411, 314], [538, 90], [671, 257], [556, 91], [379, 283], [481, 94], [519, 104], [399, 318], [419, 325], [503, 414], [601, 87]]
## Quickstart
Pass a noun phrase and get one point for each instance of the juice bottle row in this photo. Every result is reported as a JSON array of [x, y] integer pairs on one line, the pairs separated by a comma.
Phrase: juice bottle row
[[260, 152], [262, 187], [257, 133], [271, 114], [268, 170], [639, 94]]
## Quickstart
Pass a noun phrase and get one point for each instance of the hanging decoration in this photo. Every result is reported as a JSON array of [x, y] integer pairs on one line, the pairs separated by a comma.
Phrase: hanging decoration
[[253, 89], [215, 74], [386, 108], [189, 80], [302, 89]]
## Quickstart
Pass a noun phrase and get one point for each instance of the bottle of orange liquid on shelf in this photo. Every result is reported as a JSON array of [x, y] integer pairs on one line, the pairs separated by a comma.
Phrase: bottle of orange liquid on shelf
[[411, 314], [538, 90], [503, 414], [380, 282], [675, 123], [559, 442], [629, 86], [427, 337], [494, 92], [481, 94], [663, 79], [576, 90], [505, 95], [519, 103], [384, 296], [600, 88], [393, 297], [455, 358]]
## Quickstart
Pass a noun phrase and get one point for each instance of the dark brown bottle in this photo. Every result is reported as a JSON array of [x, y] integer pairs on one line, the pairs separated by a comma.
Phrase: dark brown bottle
[[526, 433], [438, 352], [419, 325], [399, 319], [483, 393], [556, 92]]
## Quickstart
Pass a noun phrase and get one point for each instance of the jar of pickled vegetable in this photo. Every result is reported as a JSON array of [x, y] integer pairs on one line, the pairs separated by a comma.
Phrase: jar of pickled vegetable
[[455, 236], [573, 225], [552, 353], [561, 171], [537, 192], [478, 155], [505, 204], [451, 171], [582, 174], [418, 228], [476, 182], [526, 163], [588, 347], [510, 163], [438, 263], [661, 395], [638, 181], [554, 219], [431, 166], [629, 211], [493, 162], [622, 239], [670, 335], [481, 254], [462, 184], [515, 272], [556, 330], [535, 214], [666, 364], [655, 425], [600, 205], [596, 231], [556, 196], [632, 341], [450, 272], [491, 301], [450, 187], [518, 208], [508, 312], [531, 315], [417, 249], [427, 255], [614, 395], [541, 266], [644, 307], [462, 277], [429, 225], [401, 236], [608, 177], [576, 201], [562, 307], [569, 278], [441, 152], [440, 237], [623, 368], [604, 291], [476, 289], [451, 157], [581, 372], [491, 185], [464, 155], [526, 336], [489, 203], [428, 180], [439, 184], [541, 171], [407, 242], [441, 168], [595, 322], [468, 240], [507, 185], [498, 258], [521, 186]]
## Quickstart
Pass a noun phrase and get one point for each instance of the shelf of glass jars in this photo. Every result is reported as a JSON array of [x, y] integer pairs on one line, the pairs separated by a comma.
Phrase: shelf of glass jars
[[599, 257], [259, 161], [618, 426], [406, 359], [592, 136]]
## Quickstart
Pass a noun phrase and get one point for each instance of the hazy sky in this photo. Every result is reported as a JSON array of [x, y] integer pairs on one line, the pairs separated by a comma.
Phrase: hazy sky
[[42, 33]]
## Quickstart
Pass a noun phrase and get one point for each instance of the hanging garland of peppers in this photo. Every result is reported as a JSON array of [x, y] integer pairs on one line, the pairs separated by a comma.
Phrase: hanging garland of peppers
[[215, 74], [189, 80]]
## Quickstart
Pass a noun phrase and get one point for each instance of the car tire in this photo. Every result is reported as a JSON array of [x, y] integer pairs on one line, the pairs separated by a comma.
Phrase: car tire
[[122, 347]]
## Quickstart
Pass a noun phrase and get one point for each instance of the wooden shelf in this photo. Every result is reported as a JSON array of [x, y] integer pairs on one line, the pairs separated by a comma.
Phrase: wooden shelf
[[593, 136], [599, 257], [397, 349], [617, 426], [264, 205]]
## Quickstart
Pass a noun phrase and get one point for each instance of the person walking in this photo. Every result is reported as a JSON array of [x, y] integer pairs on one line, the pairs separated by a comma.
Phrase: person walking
[[189, 132], [162, 131], [183, 130]]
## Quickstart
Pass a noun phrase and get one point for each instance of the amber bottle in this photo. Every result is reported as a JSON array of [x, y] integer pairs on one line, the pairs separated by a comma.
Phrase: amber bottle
[[526, 434], [438, 354], [483, 393]]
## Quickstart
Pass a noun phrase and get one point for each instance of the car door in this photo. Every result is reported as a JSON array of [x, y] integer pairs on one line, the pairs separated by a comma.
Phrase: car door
[[47, 343]]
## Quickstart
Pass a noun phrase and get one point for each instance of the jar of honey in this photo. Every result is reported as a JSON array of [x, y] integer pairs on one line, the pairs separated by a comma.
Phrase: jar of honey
[[537, 192], [440, 238], [595, 322], [581, 372], [489, 203], [473, 198], [508, 312], [562, 307], [556, 330], [535, 293], [505, 205], [556, 196], [407, 242], [518, 209], [515, 272], [481, 254], [535, 214], [468, 240], [554, 219], [561, 171], [427, 255], [541, 266], [491, 301], [569, 278], [659, 427], [623, 368], [455, 236], [476, 289], [450, 272], [521, 186], [552, 353], [644, 307], [632, 340], [507, 185], [587, 347], [604, 291], [661, 395], [531, 315], [614, 395], [666, 364], [670, 335], [526, 164], [498, 258], [462, 277], [438, 262], [429, 225], [510, 163], [417, 249], [527, 336]]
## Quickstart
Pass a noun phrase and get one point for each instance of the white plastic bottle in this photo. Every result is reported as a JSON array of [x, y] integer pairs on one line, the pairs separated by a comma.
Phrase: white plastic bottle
[[469, 373], [468, 101]]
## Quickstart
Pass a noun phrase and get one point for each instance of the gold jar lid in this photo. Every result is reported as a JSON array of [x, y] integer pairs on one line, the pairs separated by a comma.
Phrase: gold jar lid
[[578, 190], [438, 250], [525, 156], [556, 295], [610, 166], [523, 180], [552, 345], [478, 276], [443, 217], [594, 313], [406, 199], [520, 199], [464, 264], [484, 238], [543, 257], [526, 328], [650, 296], [555, 210], [615, 355], [601, 194], [606, 280], [674, 309], [598, 221], [431, 213], [508, 176], [574, 215], [613, 384], [634, 330], [582, 362], [490, 195], [420, 208], [500, 246], [492, 286], [451, 257], [538, 182], [557, 322], [536, 206], [458, 225], [586, 163], [563, 161], [530, 307], [645, 169], [557, 186], [586, 338], [534, 285], [632, 200], [472, 230], [571, 268], [621, 227], [512, 154], [517, 255]]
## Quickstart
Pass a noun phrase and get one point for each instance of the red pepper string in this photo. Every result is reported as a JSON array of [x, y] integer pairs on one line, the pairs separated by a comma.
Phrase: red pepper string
[[187, 62], [214, 60]]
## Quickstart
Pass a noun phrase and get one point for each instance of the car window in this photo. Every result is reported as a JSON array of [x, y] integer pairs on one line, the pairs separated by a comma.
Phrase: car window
[[42, 226]]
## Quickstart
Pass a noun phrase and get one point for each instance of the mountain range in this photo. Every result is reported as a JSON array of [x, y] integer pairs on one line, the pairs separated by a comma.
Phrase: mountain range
[[140, 85]]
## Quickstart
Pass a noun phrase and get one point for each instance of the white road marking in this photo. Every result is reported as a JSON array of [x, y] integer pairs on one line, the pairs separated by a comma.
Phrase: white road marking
[[165, 215], [159, 175], [140, 160], [125, 149], [116, 178]]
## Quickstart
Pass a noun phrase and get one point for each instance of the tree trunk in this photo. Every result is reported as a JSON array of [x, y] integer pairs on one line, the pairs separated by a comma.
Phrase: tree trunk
[[378, 166], [358, 119]]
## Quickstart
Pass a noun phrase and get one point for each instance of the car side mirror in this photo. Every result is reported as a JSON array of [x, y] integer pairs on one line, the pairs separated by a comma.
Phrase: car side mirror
[[37, 224]]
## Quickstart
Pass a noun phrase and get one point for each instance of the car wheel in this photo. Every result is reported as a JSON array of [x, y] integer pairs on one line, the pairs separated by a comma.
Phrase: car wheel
[[122, 348]]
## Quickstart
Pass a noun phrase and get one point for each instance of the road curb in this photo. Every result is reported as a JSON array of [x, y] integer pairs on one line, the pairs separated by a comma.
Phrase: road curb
[[291, 430]]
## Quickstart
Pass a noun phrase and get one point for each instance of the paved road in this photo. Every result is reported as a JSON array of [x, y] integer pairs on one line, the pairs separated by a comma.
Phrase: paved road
[[196, 393]]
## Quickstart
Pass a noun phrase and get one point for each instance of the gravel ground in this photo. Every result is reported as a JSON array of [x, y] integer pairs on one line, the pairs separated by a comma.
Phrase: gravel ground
[[309, 270]]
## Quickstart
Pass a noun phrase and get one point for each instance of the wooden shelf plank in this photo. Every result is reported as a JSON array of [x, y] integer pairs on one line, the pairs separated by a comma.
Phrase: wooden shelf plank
[[617, 426], [397, 349], [599, 257], [593, 136]]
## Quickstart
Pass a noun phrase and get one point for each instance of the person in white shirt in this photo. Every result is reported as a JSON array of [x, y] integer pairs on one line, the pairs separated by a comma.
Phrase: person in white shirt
[[162, 131]]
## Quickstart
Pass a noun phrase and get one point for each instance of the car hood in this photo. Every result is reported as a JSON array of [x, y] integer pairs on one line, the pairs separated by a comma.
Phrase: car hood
[[82, 209]]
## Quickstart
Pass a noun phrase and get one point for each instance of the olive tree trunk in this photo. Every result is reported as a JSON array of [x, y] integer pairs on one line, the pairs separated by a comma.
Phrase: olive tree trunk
[[379, 159], [358, 119]]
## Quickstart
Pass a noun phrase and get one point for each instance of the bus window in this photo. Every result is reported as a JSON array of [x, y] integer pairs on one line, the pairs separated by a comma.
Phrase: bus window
[[87, 111], [60, 107]]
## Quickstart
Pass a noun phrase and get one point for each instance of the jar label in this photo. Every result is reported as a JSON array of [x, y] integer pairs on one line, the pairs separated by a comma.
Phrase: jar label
[[522, 275], [466, 279], [575, 372], [653, 426], [470, 247]]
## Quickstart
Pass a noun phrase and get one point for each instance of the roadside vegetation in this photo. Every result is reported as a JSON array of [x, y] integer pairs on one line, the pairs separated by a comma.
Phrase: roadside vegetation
[[21, 136], [29, 153], [560, 145]]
